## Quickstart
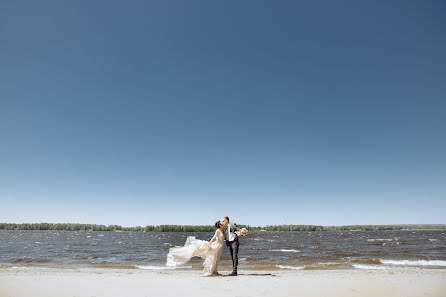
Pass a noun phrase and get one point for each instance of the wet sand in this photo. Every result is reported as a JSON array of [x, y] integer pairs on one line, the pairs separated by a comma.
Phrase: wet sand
[[88, 282]]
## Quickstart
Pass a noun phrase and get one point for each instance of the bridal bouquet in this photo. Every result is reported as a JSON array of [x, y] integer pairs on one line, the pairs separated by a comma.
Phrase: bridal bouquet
[[244, 231]]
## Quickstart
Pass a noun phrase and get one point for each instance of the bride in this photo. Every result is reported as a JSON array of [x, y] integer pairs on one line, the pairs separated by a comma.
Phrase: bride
[[210, 251]]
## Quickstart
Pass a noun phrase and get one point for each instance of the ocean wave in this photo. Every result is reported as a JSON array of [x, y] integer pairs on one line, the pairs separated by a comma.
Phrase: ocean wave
[[367, 261], [32, 260], [368, 267], [106, 264], [286, 250], [318, 266], [415, 262], [290, 267], [379, 239], [160, 267], [328, 265]]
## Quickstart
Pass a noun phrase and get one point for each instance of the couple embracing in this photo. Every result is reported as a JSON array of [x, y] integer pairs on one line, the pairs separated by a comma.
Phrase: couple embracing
[[211, 250]]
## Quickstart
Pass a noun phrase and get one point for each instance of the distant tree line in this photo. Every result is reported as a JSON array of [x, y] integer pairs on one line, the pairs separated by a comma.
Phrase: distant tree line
[[351, 227], [209, 228]]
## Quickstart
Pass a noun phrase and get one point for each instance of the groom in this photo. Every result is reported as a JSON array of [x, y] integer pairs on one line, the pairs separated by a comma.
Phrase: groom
[[231, 238]]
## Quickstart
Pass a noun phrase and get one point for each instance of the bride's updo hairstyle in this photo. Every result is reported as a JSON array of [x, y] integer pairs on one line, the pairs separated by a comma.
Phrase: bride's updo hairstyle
[[217, 224]]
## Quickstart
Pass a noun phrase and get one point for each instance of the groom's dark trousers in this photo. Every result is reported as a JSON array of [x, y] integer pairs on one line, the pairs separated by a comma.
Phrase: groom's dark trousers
[[233, 248]]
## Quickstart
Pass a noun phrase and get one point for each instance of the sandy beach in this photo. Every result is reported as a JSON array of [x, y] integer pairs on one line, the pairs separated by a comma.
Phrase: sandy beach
[[49, 282]]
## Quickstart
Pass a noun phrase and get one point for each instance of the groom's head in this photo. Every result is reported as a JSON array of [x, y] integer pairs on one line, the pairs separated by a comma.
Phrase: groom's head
[[225, 221]]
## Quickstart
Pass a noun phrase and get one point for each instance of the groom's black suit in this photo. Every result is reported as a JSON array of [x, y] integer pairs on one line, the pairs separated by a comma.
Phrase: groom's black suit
[[233, 245]]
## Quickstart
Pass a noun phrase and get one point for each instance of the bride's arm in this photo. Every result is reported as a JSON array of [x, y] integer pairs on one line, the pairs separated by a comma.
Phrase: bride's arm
[[214, 237]]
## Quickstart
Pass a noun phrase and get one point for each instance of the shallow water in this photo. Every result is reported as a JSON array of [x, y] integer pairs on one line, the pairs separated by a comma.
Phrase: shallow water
[[259, 251]]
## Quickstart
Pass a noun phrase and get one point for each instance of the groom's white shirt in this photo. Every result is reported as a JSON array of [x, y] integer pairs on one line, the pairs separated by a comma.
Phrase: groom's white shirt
[[230, 236]]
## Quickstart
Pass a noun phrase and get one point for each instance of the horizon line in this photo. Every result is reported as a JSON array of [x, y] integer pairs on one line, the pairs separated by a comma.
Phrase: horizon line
[[406, 224]]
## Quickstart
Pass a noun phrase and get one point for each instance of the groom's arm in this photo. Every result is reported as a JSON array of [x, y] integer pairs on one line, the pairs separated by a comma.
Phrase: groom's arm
[[236, 228]]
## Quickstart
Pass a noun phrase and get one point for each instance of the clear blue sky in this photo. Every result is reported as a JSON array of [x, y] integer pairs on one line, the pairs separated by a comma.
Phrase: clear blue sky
[[181, 112]]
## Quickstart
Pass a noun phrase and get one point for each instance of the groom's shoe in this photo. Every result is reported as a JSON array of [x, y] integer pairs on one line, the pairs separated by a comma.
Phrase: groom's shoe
[[234, 273]]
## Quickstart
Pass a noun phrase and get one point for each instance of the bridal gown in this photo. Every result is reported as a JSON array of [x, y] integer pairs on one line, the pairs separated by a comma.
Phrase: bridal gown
[[210, 251]]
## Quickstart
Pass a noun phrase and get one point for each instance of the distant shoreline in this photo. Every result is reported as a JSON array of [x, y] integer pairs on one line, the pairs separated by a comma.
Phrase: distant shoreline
[[210, 228]]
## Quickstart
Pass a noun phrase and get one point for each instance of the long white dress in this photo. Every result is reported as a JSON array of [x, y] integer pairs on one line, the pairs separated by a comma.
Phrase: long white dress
[[210, 251]]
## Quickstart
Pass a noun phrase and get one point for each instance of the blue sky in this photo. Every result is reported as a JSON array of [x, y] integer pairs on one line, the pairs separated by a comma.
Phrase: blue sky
[[181, 112]]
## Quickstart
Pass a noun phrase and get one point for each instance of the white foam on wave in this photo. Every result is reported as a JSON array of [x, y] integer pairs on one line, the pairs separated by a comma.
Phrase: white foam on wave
[[380, 239], [153, 267], [368, 267], [290, 267], [161, 267], [415, 262], [286, 251]]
